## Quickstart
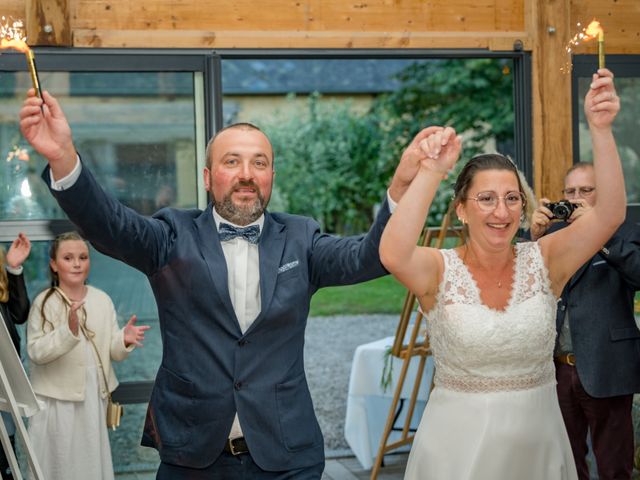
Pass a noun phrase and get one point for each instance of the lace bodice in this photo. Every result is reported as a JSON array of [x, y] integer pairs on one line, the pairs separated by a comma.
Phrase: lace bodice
[[477, 348]]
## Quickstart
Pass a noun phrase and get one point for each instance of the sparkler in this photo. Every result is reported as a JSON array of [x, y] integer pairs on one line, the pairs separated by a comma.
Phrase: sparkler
[[601, 49], [12, 36], [594, 29], [591, 31]]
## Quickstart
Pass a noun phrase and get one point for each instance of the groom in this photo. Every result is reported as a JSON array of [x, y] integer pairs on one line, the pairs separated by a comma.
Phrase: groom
[[233, 285]]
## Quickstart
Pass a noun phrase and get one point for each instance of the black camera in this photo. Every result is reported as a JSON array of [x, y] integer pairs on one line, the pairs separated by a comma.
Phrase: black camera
[[561, 210]]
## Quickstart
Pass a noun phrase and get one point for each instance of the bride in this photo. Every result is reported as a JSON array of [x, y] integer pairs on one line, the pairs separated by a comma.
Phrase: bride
[[490, 306]]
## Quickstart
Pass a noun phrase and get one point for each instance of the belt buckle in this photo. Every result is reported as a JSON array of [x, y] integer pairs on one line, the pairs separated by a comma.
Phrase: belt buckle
[[232, 448], [571, 359]]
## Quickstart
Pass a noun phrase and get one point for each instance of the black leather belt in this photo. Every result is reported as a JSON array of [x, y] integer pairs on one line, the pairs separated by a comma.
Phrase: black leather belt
[[236, 446]]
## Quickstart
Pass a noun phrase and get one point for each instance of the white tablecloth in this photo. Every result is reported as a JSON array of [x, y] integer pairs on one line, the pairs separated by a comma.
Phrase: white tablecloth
[[368, 406]]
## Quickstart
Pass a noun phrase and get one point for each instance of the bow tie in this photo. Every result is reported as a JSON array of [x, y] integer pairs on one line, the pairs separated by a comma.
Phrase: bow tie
[[228, 232]]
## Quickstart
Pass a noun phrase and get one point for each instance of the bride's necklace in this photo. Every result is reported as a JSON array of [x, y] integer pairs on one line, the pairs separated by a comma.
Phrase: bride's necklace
[[502, 272]]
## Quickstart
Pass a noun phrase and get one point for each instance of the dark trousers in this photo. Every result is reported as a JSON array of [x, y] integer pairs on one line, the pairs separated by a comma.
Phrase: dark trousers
[[240, 467], [608, 420], [4, 461]]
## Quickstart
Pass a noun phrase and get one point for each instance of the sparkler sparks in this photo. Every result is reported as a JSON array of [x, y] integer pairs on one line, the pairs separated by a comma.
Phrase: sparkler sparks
[[12, 36], [591, 31]]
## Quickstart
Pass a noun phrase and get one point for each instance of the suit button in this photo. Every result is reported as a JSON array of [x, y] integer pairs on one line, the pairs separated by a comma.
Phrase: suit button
[[563, 307], [242, 342], [237, 385]]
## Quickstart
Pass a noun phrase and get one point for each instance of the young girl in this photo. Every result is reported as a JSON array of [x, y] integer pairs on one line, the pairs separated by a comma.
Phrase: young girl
[[72, 337], [14, 305]]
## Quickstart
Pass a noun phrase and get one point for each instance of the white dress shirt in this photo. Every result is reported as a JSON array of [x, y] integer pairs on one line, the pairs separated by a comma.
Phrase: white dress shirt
[[243, 277]]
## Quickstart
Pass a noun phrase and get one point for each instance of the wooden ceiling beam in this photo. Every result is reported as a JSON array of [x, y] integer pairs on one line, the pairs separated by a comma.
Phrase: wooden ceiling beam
[[295, 39]]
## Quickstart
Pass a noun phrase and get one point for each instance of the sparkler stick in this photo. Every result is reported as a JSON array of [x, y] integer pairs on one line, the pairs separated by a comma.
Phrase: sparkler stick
[[601, 48], [31, 62]]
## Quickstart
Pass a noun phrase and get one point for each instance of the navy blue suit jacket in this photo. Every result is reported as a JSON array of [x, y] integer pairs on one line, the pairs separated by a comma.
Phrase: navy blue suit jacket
[[599, 298], [209, 369]]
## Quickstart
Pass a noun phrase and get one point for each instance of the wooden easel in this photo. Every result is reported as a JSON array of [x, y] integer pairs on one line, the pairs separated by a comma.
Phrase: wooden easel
[[17, 398], [434, 237]]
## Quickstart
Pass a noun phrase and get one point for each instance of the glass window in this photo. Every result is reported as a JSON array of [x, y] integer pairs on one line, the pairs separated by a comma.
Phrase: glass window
[[626, 125], [339, 125], [139, 143], [625, 129], [140, 123]]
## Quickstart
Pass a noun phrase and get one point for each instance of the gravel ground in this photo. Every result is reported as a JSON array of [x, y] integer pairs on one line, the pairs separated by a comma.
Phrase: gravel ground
[[329, 348]]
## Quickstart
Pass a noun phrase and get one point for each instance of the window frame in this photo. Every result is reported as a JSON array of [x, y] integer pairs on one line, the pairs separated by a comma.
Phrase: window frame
[[115, 60]]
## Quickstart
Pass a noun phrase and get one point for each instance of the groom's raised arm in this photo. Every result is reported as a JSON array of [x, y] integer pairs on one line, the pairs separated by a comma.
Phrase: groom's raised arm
[[112, 228]]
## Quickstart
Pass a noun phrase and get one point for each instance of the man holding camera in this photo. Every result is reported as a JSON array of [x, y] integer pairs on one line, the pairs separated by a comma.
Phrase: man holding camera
[[597, 352]]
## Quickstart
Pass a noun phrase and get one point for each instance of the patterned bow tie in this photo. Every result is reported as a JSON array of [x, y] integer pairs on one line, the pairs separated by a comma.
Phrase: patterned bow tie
[[228, 232]]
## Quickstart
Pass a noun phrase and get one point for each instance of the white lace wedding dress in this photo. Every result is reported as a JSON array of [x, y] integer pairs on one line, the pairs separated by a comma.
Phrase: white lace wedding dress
[[493, 414]]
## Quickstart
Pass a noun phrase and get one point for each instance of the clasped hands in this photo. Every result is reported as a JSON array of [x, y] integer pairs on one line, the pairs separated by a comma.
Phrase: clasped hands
[[440, 150]]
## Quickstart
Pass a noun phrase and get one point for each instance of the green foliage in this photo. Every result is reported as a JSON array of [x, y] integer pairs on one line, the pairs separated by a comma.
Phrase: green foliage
[[325, 164], [474, 96], [334, 163]]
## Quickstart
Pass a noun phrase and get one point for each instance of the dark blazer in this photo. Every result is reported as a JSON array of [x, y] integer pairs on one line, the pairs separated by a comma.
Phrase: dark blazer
[[599, 298], [209, 369], [16, 310]]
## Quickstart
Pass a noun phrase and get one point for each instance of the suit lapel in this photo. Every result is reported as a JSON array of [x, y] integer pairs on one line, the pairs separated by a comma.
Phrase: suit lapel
[[214, 257], [271, 246]]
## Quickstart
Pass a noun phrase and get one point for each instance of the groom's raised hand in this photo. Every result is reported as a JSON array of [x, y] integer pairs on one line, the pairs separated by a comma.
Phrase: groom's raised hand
[[409, 164], [45, 127]]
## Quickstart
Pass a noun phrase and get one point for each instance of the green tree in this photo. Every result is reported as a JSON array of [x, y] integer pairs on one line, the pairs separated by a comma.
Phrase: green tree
[[326, 164], [475, 96], [334, 163]]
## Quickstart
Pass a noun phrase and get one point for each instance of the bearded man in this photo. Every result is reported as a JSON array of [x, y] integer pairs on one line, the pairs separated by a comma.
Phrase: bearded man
[[233, 284]]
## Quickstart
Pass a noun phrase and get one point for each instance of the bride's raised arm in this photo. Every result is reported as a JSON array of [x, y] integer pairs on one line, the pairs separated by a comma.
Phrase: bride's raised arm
[[567, 249], [418, 267]]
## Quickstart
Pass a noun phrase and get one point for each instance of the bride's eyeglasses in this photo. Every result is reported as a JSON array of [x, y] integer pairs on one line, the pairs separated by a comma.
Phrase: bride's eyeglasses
[[488, 201]]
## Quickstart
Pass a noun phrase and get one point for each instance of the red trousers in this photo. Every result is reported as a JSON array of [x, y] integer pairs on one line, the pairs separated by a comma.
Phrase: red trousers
[[608, 420]]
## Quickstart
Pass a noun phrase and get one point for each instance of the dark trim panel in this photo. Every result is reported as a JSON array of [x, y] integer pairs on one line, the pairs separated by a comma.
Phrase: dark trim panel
[[36, 230], [108, 60]]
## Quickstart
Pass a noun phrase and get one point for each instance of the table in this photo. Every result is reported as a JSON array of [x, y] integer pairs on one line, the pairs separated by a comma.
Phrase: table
[[368, 405]]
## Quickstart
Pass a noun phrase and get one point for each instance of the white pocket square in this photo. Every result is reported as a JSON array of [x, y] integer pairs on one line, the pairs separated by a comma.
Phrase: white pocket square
[[288, 266]]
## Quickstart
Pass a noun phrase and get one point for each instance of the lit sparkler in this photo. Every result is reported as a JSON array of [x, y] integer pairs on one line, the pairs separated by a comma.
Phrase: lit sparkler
[[12, 36], [591, 31]]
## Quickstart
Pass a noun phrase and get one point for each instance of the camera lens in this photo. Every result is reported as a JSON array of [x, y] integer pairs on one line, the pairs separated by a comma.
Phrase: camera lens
[[562, 211]]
